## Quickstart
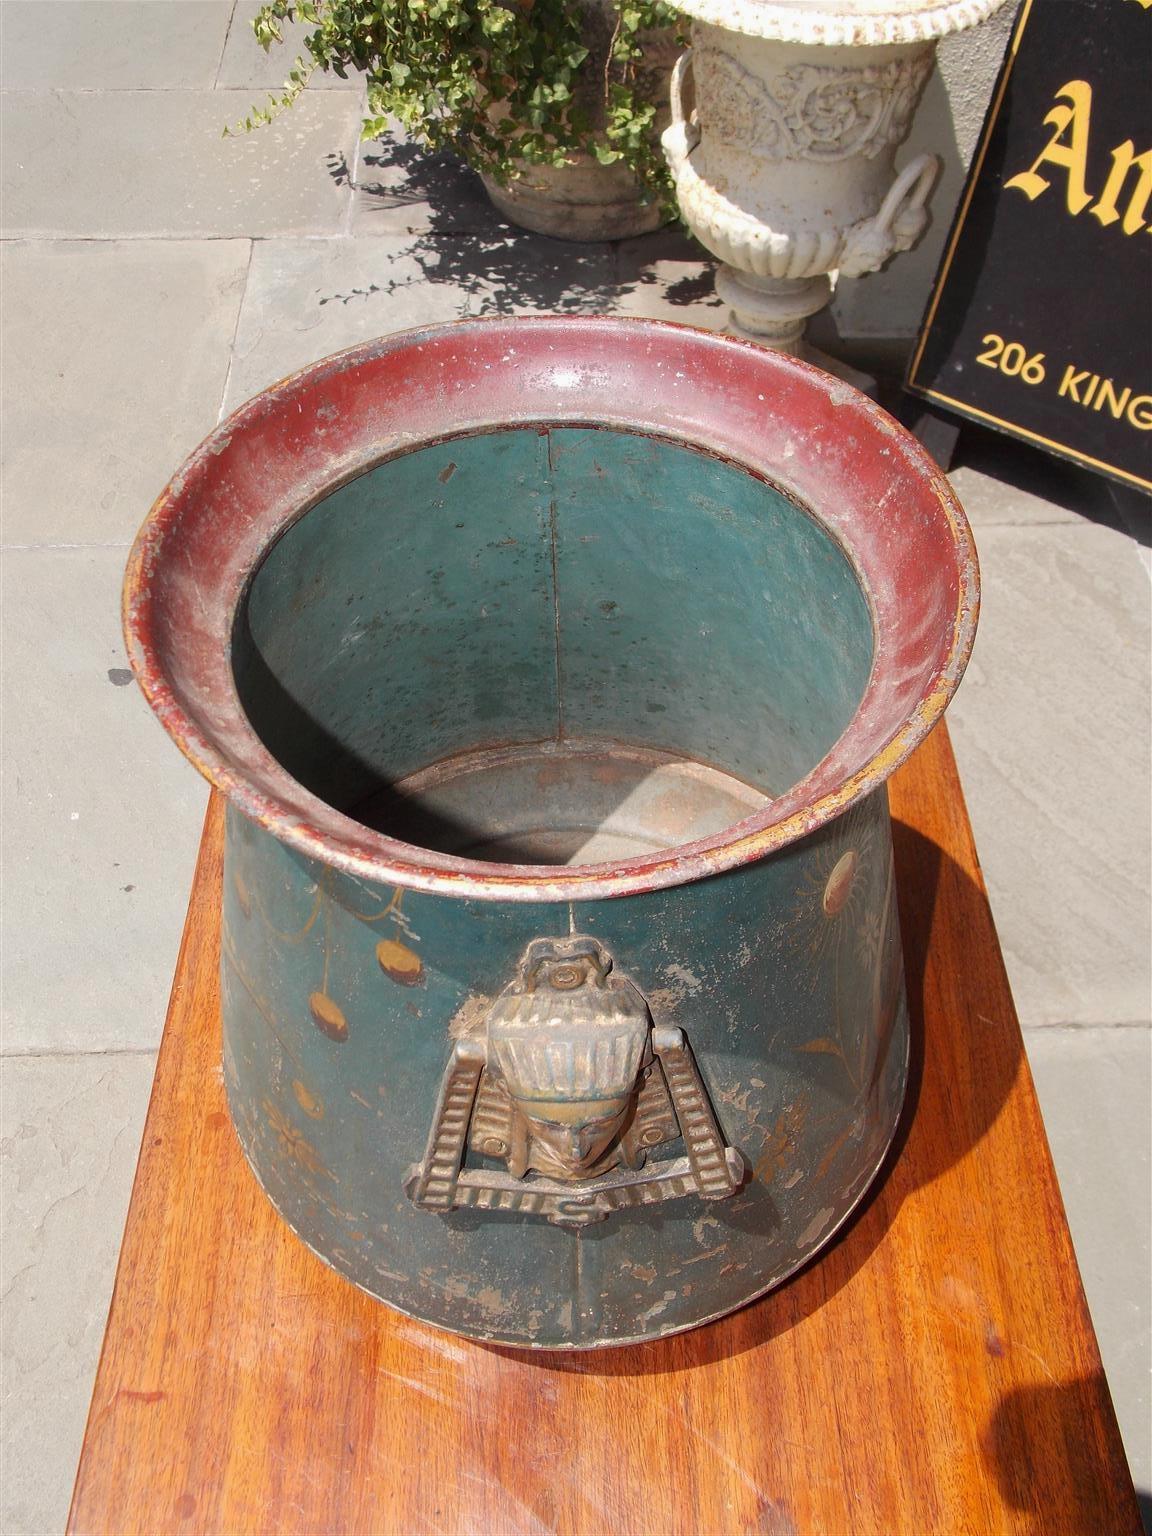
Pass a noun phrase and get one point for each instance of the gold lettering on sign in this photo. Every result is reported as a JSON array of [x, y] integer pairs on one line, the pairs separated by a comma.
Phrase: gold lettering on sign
[[1072, 114], [1094, 393], [1124, 157], [1070, 118]]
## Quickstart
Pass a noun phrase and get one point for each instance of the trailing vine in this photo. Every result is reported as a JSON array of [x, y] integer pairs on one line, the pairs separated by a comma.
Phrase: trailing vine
[[499, 82]]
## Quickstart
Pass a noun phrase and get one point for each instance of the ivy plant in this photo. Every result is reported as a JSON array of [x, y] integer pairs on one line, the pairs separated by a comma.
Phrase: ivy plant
[[500, 82]]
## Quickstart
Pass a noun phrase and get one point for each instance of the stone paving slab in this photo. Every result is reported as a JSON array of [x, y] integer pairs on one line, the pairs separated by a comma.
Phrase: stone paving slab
[[402, 189], [101, 817], [89, 446], [1095, 1087], [668, 276], [111, 45], [70, 1131], [1003, 481], [1052, 736], [105, 164], [246, 64], [306, 299]]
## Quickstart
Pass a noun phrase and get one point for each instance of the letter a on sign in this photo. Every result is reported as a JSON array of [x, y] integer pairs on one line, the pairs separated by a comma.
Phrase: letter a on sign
[[1073, 118]]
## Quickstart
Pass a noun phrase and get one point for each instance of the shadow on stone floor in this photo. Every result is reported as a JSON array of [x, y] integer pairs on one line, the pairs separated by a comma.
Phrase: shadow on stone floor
[[1055, 480], [460, 239], [444, 193]]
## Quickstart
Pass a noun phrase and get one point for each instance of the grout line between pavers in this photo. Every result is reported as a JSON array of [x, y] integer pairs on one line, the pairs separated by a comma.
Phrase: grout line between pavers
[[235, 333], [44, 549], [154, 90], [146, 90], [224, 46], [1073, 520], [42, 1053], [1078, 1026], [353, 174], [52, 237]]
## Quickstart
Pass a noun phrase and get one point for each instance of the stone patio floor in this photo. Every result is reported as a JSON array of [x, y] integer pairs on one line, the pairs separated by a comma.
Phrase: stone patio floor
[[156, 274]]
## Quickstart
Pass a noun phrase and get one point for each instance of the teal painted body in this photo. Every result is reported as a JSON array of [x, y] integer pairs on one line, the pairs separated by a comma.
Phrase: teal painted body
[[796, 1016], [567, 592], [533, 585]]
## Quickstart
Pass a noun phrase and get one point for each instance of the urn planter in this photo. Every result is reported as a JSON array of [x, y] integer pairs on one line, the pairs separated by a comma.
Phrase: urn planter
[[580, 200], [584, 199], [786, 119], [553, 670]]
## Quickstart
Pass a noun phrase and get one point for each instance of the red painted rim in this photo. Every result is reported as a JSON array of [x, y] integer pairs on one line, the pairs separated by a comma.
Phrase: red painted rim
[[858, 472]]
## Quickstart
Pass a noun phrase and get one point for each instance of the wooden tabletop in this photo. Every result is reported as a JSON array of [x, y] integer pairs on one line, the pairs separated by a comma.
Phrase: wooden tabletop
[[934, 1372]]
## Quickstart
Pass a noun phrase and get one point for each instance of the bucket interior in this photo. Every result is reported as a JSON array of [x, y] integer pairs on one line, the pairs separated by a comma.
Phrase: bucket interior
[[552, 645]]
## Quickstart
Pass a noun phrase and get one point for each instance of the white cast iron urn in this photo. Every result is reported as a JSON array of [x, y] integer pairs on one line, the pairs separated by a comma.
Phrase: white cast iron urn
[[786, 119]]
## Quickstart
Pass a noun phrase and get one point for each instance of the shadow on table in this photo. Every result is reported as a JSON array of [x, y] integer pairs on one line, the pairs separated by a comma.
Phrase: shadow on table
[[943, 1119], [1045, 1425]]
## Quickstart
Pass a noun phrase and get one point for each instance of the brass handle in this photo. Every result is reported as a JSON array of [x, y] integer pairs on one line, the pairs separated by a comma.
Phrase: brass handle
[[569, 1085]]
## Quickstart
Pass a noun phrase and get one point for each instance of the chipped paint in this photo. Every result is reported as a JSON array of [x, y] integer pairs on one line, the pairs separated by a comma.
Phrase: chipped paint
[[307, 1101], [657, 1309], [815, 1227], [682, 974]]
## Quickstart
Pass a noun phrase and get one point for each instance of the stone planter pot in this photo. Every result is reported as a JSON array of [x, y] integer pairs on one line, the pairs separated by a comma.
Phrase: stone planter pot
[[585, 200], [582, 200], [786, 120]]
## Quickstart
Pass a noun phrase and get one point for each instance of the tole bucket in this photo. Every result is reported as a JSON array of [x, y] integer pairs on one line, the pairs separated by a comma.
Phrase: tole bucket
[[553, 670]]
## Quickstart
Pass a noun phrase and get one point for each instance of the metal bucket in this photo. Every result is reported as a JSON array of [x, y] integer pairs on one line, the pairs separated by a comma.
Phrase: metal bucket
[[553, 670]]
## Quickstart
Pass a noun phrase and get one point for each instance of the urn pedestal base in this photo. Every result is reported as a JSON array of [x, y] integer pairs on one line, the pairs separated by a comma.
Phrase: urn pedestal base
[[772, 310], [774, 313]]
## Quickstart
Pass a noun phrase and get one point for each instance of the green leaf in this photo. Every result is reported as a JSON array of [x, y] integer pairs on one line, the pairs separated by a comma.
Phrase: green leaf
[[440, 67]]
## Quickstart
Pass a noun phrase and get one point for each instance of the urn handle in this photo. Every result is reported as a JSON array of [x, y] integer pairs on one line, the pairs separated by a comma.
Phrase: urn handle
[[898, 223], [682, 135], [552, 1106]]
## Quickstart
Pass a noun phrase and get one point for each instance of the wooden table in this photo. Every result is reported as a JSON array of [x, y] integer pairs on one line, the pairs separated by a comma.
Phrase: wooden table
[[934, 1374]]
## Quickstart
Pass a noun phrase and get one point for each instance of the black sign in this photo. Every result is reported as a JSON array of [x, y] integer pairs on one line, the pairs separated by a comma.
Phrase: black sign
[[1041, 318]]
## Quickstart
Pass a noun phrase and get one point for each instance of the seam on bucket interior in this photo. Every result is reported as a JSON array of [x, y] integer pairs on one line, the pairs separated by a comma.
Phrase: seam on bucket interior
[[552, 534]]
